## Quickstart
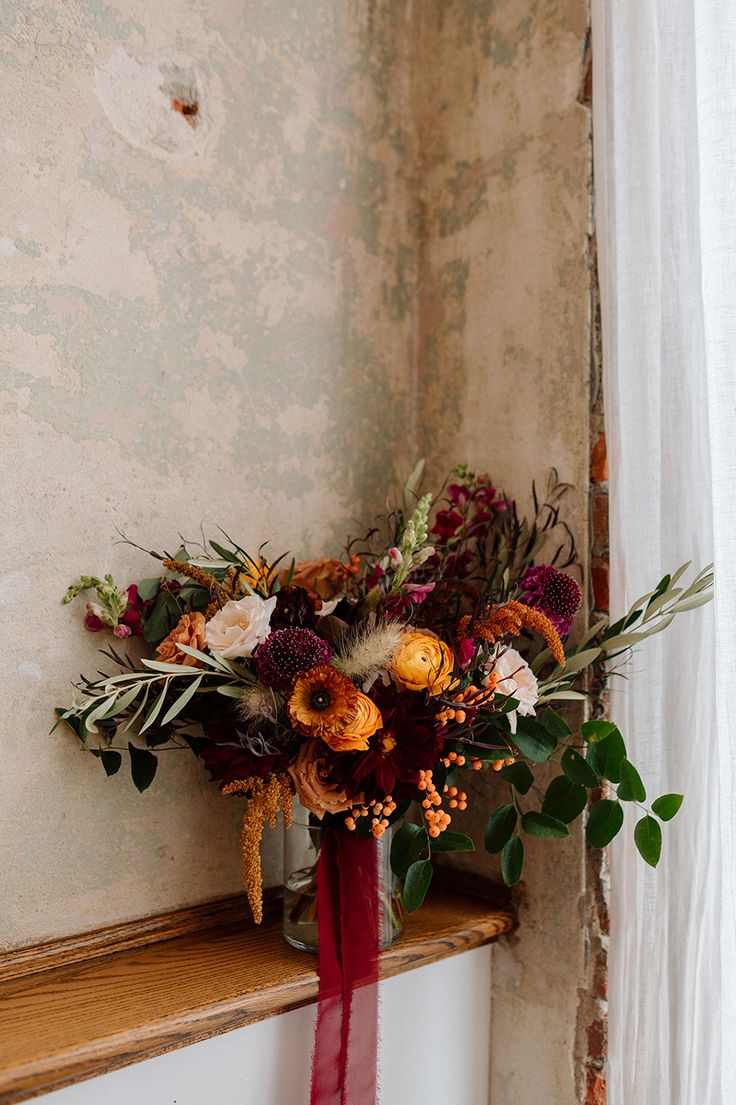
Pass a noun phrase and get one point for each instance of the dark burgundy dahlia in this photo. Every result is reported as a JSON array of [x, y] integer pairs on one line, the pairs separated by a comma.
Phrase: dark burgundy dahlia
[[294, 607], [553, 593], [229, 762], [287, 652], [410, 741]]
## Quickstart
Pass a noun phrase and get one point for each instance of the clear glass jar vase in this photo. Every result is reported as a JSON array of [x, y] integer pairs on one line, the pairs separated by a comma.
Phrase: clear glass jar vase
[[302, 845]]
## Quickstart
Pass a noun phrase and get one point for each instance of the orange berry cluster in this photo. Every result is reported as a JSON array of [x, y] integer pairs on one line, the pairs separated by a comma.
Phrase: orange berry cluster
[[471, 698], [437, 819], [458, 799], [455, 759], [379, 811], [498, 764]]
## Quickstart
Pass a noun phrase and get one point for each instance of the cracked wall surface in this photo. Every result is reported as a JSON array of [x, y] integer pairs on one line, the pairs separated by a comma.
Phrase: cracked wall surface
[[256, 259]]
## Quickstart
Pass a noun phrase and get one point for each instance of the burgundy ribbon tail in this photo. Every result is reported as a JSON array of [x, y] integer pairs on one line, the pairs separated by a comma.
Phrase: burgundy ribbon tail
[[345, 1060]]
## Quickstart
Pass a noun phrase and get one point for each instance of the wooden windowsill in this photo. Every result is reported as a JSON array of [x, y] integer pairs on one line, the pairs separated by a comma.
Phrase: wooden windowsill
[[65, 1024]]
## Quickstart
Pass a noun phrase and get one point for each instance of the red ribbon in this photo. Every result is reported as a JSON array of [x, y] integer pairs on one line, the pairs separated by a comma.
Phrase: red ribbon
[[344, 1064]]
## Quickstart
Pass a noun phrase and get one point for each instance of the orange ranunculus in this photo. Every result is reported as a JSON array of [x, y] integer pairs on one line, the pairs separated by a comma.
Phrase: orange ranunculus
[[423, 663], [324, 577], [189, 630], [362, 725]]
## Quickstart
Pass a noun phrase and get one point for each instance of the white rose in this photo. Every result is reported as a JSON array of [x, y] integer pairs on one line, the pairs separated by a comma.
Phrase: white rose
[[517, 680], [240, 626]]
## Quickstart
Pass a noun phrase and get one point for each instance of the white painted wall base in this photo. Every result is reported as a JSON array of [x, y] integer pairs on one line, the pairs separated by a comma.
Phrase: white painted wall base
[[435, 1050]]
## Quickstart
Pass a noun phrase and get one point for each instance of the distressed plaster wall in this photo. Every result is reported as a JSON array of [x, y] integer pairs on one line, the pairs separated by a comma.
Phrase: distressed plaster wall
[[503, 365], [372, 244], [196, 326]]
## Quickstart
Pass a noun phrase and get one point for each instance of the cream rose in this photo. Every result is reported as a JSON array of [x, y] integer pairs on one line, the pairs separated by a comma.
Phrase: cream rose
[[516, 680], [312, 783], [241, 625]]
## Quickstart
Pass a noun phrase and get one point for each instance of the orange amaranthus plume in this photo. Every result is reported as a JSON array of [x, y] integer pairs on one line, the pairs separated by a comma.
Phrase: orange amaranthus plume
[[265, 797], [509, 620]]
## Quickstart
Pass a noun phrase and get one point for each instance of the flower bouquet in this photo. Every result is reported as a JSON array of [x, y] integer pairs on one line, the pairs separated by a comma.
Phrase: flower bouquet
[[369, 685]]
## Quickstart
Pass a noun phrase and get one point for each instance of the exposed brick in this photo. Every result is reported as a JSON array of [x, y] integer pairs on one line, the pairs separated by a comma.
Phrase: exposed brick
[[599, 461], [600, 577], [597, 1039], [599, 521], [600, 976], [596, 1089]]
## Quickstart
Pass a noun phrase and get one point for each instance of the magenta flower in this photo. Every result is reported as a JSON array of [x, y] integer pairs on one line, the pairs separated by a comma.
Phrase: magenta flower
[[553, 593], [92, 620], [447, 523], [374, 577]]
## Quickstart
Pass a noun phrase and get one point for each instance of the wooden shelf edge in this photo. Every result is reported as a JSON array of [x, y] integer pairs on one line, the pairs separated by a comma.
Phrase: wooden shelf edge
[[446, 926], [80, 947]]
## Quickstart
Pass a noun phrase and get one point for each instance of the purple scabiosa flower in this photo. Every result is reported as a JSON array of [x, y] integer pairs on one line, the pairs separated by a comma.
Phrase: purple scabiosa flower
[[554, 593], [288, 651]]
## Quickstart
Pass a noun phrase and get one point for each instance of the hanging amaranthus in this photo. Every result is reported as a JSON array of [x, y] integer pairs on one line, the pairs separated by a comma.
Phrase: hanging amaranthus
[[265, 798]]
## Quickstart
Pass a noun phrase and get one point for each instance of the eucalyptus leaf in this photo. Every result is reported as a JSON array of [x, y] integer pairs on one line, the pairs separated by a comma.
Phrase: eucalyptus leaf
[[631, 788], [592, 632], [533, 740], [606, 756], [519, 775], [92, 716], [577, 661], [453, 842], [564, 799], [512, 861], [228, 555], [578, 769], [141, 707], [177, 706], [499, 827], [203, 657], [667, 805], [407, 846], [555, 725], [416, 884], [648, 840], [148, 588], [604, 821], [111, 761], [596, 730], [143, 766], [543, 825], [561, 696], [154, 711], [692, 604]]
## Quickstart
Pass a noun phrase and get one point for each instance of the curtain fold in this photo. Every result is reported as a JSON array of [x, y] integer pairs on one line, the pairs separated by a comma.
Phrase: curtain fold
[[665, 178]]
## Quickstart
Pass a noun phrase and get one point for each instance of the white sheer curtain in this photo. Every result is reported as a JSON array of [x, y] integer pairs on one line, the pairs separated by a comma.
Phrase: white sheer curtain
[[665, 168]]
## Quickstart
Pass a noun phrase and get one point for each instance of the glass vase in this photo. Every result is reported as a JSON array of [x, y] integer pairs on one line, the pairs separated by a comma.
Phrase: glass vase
[[302, 845]]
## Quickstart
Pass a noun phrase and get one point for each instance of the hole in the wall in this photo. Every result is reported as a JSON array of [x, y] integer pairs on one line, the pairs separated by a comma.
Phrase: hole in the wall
[[180, 86], [187, 110]]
